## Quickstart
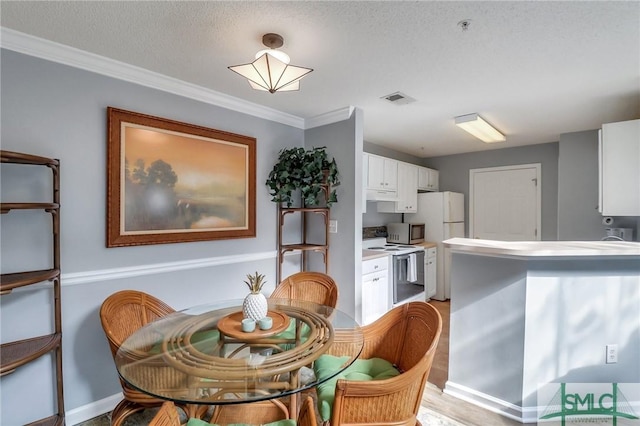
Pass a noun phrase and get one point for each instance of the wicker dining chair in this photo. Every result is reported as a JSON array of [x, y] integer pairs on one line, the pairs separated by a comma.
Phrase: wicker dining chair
[[121, 314], [308, 286], [406, 337], [255, 412], [168, 415]]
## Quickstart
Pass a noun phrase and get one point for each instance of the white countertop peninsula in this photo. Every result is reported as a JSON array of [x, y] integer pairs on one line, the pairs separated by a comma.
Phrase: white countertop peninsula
[[544, 248], [535, 312]]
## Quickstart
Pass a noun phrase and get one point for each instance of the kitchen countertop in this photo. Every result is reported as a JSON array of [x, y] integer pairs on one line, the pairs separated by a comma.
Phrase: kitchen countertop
[[427, 244], [372, 254], [543, 248]]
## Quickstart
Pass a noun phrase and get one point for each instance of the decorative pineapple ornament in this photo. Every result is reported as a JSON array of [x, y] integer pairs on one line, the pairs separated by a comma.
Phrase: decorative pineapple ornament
[[255, 304]]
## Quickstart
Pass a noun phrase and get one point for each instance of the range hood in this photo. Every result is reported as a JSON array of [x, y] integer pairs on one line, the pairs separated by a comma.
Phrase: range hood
[[381, 195]]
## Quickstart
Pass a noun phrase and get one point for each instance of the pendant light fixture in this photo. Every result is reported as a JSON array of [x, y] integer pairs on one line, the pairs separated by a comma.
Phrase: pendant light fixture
[[271, 70], [479, 128]]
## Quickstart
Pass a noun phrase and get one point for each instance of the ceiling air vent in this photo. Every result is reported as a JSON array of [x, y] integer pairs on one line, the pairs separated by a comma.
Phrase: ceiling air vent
[[398, 98]]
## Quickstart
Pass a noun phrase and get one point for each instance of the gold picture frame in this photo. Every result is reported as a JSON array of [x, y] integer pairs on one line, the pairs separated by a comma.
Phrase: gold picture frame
[[173, 182]]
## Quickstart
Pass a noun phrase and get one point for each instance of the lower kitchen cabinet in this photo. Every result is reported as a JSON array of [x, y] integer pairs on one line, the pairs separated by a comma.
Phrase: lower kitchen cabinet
[[375, 289], [430, 271]]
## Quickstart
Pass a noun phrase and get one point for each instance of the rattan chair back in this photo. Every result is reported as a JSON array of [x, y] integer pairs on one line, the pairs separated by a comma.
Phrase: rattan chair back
[[313, 287], [121, 314], [125, 312], [307, 415], [258, 413], [406, 336], [253, 413], [167, 415]]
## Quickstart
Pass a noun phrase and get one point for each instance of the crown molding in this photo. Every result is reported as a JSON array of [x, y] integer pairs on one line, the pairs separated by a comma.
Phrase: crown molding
[[66, 55], [329, 117]]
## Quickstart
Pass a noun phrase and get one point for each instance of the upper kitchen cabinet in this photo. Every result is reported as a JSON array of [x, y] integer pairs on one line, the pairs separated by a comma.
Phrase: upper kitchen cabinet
[[428, 180], [407, 191], [620, 169], [382, 178]]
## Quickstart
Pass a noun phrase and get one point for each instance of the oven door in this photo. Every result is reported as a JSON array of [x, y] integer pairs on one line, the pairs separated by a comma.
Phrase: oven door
[[408, 276]]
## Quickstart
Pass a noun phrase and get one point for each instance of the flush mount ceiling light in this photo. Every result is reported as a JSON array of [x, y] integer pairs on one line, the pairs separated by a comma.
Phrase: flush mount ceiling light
[[479, 128], [271, 70]]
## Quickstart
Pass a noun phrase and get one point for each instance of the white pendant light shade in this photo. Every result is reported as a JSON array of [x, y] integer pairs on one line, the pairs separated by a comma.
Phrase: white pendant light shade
[[474, 124], [278, 54], [288, 88], [271, 70]]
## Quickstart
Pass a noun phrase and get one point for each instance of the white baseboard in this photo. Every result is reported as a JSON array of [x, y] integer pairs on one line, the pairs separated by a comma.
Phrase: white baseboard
[[89, 411], [493, 404]]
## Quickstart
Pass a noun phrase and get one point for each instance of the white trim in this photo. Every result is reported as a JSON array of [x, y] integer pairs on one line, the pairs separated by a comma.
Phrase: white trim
[[329, 117], [493, 404], [94, 409], [160, 268], [56, 52], [77, 278]]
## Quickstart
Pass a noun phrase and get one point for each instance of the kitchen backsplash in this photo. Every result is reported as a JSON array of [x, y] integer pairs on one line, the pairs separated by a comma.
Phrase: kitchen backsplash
[[374, 231]]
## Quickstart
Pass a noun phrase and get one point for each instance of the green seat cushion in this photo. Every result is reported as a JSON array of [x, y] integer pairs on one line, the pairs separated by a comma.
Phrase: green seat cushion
[[204, 341], [290, 333], [360, 370], [198, 422]]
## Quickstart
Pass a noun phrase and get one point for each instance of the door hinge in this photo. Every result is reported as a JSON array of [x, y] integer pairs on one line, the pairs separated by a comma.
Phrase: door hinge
[[535, 232]]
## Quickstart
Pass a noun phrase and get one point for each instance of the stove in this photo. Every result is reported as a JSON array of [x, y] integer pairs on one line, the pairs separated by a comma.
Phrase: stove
[[380, 244], [406, 269]]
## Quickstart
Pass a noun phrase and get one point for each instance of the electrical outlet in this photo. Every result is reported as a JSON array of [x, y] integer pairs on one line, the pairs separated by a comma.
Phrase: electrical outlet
[[612, 354], [333, 226]]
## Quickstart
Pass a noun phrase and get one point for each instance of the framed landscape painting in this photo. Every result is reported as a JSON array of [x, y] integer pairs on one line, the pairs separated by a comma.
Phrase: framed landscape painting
[[173, 182]]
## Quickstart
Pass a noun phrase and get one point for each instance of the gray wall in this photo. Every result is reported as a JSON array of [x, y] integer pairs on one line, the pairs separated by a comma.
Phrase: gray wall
[[569, 181], [58, 111], [540, 320], [391, 153], [578, 216], [454, 175], [344, 143]]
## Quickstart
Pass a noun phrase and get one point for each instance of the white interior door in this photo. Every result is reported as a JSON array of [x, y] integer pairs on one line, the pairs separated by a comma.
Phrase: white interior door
[[504, 203]]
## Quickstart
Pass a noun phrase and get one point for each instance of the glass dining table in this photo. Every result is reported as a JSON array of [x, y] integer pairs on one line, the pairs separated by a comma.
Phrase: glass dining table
[[201, 355]]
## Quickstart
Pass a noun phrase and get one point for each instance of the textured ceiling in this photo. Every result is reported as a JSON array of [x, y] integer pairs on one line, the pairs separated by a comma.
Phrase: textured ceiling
[[533, 69]]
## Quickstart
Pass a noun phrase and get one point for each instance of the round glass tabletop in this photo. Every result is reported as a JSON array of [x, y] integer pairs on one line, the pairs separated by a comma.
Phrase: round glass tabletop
[[201, 355]]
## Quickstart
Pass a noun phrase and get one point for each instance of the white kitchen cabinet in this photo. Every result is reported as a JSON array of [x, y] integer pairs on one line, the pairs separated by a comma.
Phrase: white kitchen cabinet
[[620, 169], [375, 289], [407, 191], [382, 178], [428, 179], [430, 271]]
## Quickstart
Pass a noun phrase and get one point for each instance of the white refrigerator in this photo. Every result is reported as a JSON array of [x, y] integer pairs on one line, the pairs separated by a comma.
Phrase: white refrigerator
[[443, 216]]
